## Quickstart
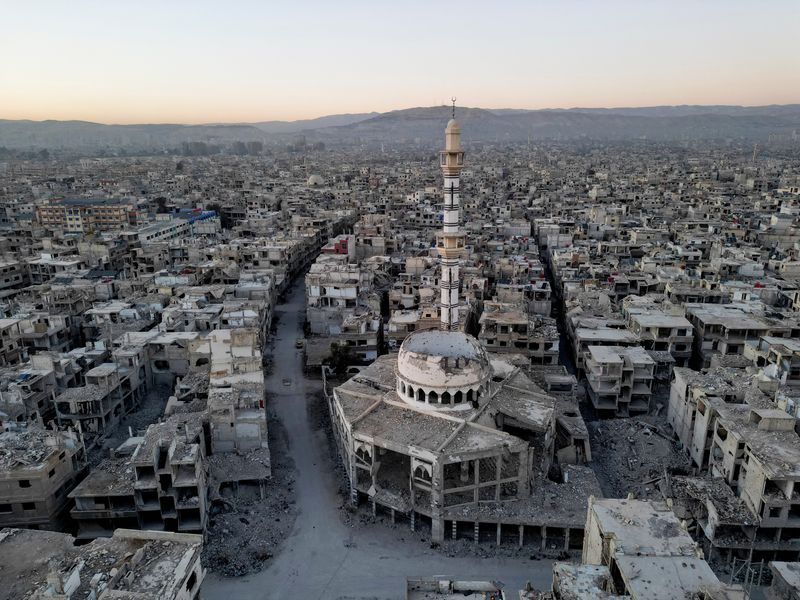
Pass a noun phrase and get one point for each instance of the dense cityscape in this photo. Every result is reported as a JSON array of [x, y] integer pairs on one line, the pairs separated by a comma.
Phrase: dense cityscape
[[537, 370]]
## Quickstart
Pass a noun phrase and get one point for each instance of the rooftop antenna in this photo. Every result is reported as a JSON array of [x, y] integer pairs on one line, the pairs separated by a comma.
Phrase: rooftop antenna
[[453, 100]]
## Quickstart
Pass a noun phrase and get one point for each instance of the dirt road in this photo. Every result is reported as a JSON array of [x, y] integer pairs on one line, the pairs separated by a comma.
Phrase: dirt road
[[324, 558]]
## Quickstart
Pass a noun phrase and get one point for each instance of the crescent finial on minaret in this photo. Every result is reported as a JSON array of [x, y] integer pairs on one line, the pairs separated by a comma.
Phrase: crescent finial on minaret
[[453, 100]]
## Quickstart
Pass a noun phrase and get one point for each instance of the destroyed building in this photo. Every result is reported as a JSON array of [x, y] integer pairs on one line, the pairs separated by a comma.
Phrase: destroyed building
[[38, 469], [508, 328], [135, 565], [620, 379], [161, 480], [637, 544], [159, 486]]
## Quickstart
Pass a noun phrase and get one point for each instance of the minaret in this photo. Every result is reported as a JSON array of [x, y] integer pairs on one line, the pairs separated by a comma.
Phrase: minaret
[[451, 161]]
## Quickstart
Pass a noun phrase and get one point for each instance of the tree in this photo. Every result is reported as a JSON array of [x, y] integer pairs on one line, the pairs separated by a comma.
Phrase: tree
[[341, 358]]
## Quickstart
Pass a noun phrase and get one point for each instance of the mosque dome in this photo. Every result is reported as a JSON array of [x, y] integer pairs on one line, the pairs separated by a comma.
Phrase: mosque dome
[[448, 369], [315, 180]]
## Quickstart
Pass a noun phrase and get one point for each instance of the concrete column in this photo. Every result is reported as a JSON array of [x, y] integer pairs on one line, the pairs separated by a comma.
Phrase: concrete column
[[498, 472], [521, 535], [476, 479], [437, 502], [394, 518], [374, 509], [476, 532], [544, 538], [465, 471], [523, 485], [437, 526], [566, 540], [413, 520], [499, 533]]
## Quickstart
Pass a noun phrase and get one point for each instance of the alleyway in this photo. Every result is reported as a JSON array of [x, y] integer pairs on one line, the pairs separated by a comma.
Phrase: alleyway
[[324, 558]]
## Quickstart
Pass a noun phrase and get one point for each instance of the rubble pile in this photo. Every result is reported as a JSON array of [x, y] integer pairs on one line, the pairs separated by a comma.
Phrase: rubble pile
[[150, 412], [26, 447], [630, 456], [245, 531]]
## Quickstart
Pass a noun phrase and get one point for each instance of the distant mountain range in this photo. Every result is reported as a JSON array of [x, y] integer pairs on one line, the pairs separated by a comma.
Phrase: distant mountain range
[[425, 125], [306, 124]]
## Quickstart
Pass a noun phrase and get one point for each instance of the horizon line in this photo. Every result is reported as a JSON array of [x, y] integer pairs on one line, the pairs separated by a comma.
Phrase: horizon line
[[376, 113]]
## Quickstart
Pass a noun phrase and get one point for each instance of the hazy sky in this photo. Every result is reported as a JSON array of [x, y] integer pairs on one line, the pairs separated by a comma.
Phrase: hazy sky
[[194, 61]]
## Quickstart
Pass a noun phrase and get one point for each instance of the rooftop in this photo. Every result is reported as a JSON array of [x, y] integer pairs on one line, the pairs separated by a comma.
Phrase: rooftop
[[643, 528], [30, 447], [91, 201]]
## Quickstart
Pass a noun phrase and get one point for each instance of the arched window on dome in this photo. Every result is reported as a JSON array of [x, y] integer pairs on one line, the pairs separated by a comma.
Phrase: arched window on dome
[[410, 391], [433, 398], [446, 398], [458, 397], [469, 396], [420, 395]]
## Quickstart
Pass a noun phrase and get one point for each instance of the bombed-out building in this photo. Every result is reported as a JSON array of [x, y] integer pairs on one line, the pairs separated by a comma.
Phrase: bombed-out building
[[447, 434]]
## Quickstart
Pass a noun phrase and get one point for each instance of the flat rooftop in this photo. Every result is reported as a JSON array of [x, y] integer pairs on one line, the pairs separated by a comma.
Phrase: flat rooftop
[[439, 588], [666, 577], [605, 334], [643, 528], [659, 319]]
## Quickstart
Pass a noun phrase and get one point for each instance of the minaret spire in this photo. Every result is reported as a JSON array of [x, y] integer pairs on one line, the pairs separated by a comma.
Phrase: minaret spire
[[452, 244]]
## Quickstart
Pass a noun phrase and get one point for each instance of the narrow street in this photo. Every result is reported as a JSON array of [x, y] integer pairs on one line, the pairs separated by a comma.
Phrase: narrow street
[[324, 558]]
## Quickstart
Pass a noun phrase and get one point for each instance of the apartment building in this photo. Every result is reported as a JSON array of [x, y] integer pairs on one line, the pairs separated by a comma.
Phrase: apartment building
[[38, 469], [99, 405], [620, 379], [508, 328], [28, 390], [13, 275], [634, 548], [81, 215], [160, 486], [12, 349], [599, 331], [727, 329], [778, 357], [664, 333]]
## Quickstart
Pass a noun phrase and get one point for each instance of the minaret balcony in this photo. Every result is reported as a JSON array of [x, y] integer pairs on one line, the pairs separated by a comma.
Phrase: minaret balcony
[[451, 238], [451, 253], [451, 159]]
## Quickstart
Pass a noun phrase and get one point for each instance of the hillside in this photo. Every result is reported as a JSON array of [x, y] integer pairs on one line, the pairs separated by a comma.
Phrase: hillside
[[424, 125]]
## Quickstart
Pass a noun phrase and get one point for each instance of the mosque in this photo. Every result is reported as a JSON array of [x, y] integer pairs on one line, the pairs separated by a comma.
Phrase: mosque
[[452, 438]]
